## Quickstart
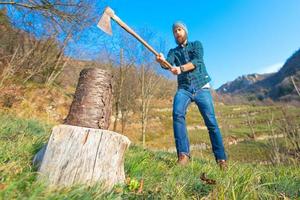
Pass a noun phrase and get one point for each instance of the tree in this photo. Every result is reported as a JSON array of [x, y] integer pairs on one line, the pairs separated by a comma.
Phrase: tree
[[149, 81], [44, 30], [59, 12], [119, 52], [136, 80]]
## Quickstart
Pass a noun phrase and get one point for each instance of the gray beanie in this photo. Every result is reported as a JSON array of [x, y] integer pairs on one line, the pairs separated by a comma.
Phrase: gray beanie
[[181, 25]]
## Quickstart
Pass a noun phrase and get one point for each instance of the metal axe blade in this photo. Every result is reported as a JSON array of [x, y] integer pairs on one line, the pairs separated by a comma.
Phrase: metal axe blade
[[105, 21], [105, 25]]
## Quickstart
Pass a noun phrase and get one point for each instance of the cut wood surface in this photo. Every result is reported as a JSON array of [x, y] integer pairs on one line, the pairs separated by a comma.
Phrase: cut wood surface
[[78, 155]]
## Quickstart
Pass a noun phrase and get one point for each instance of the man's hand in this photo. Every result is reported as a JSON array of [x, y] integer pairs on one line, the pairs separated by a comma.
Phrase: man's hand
[[161, 60], [176, 70]]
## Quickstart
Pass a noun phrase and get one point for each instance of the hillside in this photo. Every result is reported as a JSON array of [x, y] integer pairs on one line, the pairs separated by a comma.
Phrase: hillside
[[70, 73], [238, 123], [150, 175], [29, 111], [277, 86]]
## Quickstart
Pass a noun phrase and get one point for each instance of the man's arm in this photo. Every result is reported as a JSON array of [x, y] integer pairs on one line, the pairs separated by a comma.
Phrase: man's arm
[[183, 68], [187, 67], [161, 59], [195, 62]]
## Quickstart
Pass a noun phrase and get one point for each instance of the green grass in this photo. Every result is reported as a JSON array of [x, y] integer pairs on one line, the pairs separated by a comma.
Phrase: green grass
[[249, 151], [163, 179], [233, 121]]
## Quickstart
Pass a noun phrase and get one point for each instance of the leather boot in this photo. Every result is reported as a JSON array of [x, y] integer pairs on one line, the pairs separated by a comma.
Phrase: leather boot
[[222, 164], [183, 159]]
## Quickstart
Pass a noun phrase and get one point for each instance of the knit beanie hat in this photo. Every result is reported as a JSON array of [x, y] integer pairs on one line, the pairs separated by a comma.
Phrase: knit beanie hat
[[181, 25]]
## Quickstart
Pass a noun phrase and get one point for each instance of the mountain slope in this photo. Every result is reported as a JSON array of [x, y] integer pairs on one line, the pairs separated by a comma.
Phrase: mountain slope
[[241, 82], [277, 86]]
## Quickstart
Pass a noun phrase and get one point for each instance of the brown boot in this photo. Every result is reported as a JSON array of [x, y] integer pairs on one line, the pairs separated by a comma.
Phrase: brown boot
[[222, 164], [183, 159]]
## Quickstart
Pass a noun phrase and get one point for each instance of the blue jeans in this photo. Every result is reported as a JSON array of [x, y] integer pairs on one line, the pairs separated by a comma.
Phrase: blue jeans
[[204, 101]]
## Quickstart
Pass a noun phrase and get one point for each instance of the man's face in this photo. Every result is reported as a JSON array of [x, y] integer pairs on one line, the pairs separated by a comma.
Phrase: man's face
[[179, 35]]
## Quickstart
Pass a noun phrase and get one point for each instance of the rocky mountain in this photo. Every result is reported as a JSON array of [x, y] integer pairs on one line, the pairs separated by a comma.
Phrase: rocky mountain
[[241, 82], [277, 86]]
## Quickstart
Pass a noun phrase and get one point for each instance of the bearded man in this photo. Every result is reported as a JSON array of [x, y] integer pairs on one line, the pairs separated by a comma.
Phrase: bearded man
[[193, 86]]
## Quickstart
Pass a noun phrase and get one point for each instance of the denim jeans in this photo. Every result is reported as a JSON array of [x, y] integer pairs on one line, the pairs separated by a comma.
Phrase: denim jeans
[[204, 101]]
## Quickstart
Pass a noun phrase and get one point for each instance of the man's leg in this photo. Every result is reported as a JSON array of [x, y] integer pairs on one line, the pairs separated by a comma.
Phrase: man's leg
[[204, 101], [181, 101]]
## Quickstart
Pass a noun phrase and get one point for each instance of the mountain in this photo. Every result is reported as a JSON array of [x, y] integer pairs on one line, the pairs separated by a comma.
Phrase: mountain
[[277, 86], [241, 82]]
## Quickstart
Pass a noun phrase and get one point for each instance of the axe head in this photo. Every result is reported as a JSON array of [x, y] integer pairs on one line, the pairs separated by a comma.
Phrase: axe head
[[105, 21]]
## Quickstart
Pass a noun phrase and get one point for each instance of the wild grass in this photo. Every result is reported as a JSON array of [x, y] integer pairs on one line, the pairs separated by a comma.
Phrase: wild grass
[[158, 172]]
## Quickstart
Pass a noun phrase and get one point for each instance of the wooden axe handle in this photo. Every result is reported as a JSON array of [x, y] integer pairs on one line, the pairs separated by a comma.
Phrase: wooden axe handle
[[129, 30]]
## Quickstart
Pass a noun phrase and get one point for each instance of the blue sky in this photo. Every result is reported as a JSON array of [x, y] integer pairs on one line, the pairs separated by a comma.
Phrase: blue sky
[[239, 36]]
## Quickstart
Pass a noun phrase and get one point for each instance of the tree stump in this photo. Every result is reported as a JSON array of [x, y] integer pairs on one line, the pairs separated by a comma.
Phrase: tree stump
[[79, 155], [78, 152]]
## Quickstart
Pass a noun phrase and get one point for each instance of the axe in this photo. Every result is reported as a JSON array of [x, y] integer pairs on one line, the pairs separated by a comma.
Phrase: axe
[[105, 25]]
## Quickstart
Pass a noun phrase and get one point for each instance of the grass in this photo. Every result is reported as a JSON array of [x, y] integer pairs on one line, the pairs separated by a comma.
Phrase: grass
[[161, 177], [37, 101], [249, 151], [21, 135], [233, 121]]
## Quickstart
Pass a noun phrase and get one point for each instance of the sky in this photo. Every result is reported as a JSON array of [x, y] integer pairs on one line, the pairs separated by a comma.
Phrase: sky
[[239, 36]]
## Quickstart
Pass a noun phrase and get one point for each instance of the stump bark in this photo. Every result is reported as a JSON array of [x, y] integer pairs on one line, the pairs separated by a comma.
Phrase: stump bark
[[78, 155], [81, 151], [92, 103]]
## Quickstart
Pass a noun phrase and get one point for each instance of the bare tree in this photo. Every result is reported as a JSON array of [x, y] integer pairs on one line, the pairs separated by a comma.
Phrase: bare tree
[[58, 11], [135, 77], [61, 61], [130, 94], [10, 68], [121, 103], [49, 27], [295, 86], [149, 82], [291, 129], [275, 156], [251, 123], [33, 58], [119, 51], [287, 151]]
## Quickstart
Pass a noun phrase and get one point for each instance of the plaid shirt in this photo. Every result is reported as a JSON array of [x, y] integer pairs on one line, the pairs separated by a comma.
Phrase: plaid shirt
[[192, 52]]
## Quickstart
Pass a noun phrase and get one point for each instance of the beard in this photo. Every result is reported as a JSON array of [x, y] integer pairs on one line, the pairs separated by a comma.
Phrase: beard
[[181, 40]]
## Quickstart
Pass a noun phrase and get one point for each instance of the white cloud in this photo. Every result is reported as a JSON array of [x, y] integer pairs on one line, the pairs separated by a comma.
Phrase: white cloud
[[271, 68]]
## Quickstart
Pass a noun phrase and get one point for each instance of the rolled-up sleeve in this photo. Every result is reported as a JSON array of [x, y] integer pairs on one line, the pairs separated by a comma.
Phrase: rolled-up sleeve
[[197, 53]]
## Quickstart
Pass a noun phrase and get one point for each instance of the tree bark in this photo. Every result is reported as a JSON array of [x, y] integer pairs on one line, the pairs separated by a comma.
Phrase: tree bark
[[92, 104]]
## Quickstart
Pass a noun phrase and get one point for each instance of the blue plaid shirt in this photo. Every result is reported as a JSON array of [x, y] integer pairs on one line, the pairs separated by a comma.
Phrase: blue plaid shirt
[[192, 52]]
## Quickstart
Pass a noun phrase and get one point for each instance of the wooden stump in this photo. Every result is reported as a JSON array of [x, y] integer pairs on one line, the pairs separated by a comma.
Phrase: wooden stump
[[78, 152], [92, 103], [78, 155]]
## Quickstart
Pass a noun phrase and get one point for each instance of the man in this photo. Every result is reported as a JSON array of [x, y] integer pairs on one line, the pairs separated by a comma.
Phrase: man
[[193, 86]]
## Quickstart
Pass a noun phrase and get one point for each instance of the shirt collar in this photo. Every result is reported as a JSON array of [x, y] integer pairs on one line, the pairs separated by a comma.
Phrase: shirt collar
[[184, 44]]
